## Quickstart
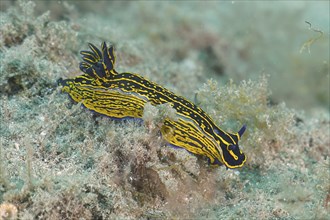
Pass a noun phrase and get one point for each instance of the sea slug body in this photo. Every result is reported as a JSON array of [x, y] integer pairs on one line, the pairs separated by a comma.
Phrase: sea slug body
[[123, 95]]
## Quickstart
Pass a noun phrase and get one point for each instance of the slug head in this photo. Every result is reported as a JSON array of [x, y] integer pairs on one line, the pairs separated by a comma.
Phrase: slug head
[[232, 155]]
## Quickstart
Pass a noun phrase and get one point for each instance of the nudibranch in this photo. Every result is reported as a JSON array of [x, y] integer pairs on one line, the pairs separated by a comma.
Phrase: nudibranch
[[123, 95]]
